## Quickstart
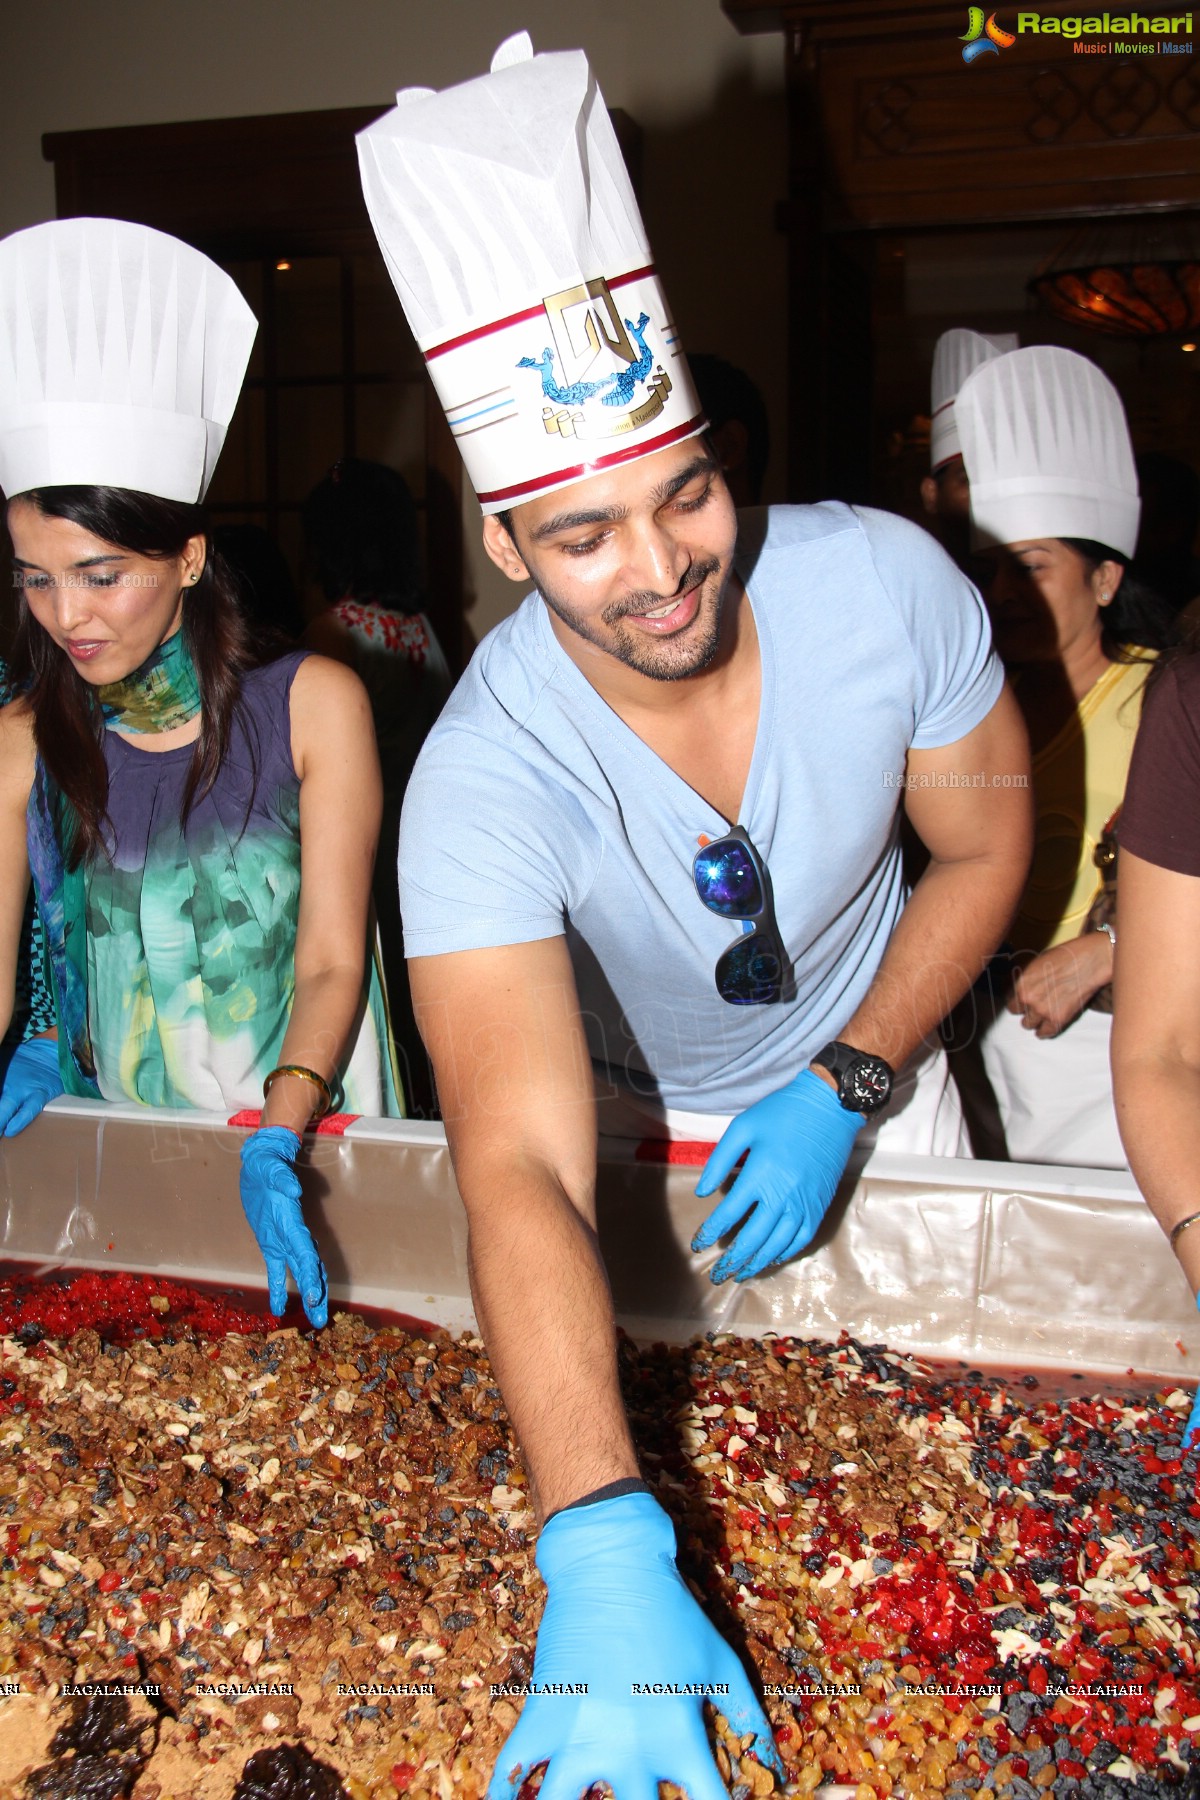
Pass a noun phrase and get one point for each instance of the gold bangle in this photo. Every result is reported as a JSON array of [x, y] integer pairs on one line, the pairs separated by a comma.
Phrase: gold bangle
[[303, 1074], [1181, 1227]]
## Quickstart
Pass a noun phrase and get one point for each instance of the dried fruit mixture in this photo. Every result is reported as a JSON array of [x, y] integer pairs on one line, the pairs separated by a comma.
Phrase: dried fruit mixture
[[291, 1566]]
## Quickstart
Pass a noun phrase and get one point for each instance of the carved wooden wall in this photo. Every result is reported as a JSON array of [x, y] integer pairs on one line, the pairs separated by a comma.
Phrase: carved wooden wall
[[892, 131]]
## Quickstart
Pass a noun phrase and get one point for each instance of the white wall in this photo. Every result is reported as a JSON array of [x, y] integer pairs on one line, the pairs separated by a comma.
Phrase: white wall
[[709, 101]]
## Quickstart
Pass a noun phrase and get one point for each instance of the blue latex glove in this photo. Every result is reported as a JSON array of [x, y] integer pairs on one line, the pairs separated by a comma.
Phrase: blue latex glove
[[1192, 1429], [31, 1080], [271, 1202], [617, 1613], [799, 1141]]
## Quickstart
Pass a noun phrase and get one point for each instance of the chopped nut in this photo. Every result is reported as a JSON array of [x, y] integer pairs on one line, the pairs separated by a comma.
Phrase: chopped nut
[[351, 1516]]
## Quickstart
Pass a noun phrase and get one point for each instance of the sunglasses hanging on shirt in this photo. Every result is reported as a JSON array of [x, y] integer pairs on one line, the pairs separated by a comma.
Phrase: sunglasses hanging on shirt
[[731, 879]]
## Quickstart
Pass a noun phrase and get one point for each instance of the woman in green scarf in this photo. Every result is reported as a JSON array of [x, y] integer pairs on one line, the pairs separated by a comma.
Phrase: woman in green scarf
[[199, 822]]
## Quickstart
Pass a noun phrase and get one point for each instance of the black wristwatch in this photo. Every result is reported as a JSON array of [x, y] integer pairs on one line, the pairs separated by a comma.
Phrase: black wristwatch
[[864, 1083]]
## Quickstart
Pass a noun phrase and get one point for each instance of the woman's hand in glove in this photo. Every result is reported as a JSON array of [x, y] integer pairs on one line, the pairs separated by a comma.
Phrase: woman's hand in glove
[[271, 1202], [1191, 1430], [30, 1081]]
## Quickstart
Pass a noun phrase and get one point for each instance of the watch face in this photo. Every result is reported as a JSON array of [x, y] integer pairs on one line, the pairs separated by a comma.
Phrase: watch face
[[870, 1082]]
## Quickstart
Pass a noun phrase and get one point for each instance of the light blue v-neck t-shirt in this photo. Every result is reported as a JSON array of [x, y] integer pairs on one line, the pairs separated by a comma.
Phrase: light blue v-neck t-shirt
[[534, 811]]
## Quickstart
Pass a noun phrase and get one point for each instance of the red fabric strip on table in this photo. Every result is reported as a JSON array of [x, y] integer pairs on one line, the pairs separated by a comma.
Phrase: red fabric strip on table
[[332, 1125], [666, 1150]]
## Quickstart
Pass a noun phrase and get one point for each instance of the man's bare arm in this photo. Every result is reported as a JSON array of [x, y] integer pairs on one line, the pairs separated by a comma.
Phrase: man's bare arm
[[502, 1028], [980, 840]]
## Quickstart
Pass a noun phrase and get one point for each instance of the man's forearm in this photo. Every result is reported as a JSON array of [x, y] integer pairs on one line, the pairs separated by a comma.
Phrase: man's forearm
[[956, 917], [544, 1308], [504, 1032], [970, 804]]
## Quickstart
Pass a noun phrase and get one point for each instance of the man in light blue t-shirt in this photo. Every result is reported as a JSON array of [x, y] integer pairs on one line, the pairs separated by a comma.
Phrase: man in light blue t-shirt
[[652, 692], [557, 800], [652, 846]]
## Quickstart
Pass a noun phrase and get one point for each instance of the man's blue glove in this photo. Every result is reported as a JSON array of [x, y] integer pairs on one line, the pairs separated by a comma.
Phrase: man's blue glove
[[799, 1141], [271, 1202], [31, 1080], [618, 1616]]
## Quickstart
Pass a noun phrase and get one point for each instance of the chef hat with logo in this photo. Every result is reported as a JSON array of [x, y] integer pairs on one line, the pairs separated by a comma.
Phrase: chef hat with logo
[[955, 355], [509, 226], [1047, 450], [122, 353]]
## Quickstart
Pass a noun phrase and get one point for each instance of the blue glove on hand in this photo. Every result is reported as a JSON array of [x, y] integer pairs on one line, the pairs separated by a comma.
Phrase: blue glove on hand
[[271, 1202], [799, 1140], [31, 1080], [618, 1615], [1192, 1428]]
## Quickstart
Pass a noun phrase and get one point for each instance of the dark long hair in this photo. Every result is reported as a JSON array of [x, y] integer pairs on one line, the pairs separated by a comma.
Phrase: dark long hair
[[1136, 618], [362, 535], [68, 725]]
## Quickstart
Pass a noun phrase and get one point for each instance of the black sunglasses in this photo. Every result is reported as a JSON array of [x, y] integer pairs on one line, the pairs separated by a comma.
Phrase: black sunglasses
[[731, 879]]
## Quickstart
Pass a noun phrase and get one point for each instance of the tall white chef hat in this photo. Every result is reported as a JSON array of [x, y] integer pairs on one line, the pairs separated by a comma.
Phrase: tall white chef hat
[[955, 355], [1047, 450], [509, 227], [122, 353]]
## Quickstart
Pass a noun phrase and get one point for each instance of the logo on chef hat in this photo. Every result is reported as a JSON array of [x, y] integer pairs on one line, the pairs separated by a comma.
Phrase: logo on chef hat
[[600, 374], [983, 37]]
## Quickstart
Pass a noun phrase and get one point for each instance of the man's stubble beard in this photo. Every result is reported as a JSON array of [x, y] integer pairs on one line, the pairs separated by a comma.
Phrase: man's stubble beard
[[658, 660]]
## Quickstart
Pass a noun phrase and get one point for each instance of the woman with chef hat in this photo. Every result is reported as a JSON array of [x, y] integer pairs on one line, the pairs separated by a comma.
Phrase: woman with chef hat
[[1054, 497], [157, 778]]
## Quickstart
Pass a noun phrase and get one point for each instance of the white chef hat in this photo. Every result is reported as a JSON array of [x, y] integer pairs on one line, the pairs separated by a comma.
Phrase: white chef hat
[[122, 353], [506, 217], [1047, 450], [955, 355]]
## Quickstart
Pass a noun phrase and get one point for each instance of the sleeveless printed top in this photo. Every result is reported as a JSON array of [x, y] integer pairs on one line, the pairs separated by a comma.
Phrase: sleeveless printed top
[[186, 955]]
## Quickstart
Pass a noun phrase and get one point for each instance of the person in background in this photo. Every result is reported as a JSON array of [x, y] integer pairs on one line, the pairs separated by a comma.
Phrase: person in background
[[156, 778], [946, 491], [1156, 984], [945, 499], [265, 589], [650, 851], [1053, 492], [1166, 547], [737, 424], [362, 542], [363, 548]]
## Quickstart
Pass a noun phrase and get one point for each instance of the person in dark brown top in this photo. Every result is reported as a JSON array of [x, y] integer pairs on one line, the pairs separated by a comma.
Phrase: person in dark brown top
[[1156, 987]]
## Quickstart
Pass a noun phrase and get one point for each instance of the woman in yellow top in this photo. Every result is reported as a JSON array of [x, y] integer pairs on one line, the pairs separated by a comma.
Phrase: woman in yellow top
[[1054, 494]]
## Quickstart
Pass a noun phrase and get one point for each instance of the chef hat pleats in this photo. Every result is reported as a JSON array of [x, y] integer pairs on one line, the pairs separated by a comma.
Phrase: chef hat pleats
[[1047, 450], [511, 233], [122, 354], [955, 355]]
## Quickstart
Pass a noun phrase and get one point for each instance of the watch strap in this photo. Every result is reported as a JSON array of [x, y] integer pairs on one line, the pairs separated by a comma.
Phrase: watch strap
[[840, 1058]]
